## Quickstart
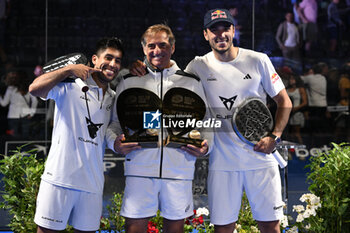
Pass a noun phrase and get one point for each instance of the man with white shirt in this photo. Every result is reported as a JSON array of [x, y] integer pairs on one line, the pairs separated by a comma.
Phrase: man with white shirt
[[72, 183], [287, 37], [158, 178], [230, 75]]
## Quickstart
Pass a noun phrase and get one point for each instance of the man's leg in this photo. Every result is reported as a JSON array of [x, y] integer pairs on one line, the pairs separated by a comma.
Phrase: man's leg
[[45, 230], [269, 227], [173, 226], [229, 228], [136, 225]]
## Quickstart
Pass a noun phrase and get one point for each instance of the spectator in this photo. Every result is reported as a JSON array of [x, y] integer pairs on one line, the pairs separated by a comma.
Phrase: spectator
[[234, 13], [297, 94], [287, 37], [307, 11], [22, 105], [333, 26], [316, 89], [342, 121]]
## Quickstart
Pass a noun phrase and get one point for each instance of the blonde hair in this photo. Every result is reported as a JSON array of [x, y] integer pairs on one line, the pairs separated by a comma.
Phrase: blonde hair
[[154, 29]]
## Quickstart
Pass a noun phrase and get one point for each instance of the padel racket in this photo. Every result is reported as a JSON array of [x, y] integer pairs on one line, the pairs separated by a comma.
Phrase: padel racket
[[251, 121], [69, 59]]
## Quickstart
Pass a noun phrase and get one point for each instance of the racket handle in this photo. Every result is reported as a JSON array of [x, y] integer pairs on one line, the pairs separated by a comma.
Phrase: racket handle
[[81, 84], [281, 162]]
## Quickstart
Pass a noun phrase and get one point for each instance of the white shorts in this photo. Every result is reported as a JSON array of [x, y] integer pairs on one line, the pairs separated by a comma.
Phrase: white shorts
[[143, 196], [263, 189], [56, 206]]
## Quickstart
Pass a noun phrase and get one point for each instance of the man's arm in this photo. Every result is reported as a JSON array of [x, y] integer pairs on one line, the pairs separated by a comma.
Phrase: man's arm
[[44, 83]]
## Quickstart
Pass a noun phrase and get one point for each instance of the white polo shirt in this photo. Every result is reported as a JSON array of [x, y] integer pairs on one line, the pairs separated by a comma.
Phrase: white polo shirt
[[75, 159], [226, 85]]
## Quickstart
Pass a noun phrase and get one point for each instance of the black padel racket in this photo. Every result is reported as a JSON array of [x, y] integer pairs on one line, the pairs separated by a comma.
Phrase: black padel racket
[[69, 59], [251, 121]]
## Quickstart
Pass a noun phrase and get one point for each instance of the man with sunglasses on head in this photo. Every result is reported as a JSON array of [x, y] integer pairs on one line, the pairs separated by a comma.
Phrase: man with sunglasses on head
[[158, 178]]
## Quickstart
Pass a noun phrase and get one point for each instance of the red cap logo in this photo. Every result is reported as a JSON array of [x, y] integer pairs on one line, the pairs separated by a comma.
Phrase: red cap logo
[[218, 14]]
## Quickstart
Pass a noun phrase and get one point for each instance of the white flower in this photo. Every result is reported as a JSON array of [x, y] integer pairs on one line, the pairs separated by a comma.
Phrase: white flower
[[298, 208], [293, 230], [307, 227], [308, 213], [300, 218], [254, 229], [211, 225], [284, 221], [202, 211], [238, 226]]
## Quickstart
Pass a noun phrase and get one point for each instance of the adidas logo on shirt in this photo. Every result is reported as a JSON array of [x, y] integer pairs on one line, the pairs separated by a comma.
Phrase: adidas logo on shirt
[[247, 77]]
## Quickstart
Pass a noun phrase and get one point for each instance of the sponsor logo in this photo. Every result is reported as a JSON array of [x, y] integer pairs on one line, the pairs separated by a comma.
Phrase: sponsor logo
[[274, 78], [277, 207], [92, 127], [87, 141], [218, 14], [247, 77], [83, 97], [211, 78], [228, 102]]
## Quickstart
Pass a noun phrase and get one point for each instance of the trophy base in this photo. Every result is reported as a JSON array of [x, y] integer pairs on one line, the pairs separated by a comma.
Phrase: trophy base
[[177, 142], [144, 142]]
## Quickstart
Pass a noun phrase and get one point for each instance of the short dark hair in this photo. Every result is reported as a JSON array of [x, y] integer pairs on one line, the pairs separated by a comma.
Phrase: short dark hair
[[109, 42]]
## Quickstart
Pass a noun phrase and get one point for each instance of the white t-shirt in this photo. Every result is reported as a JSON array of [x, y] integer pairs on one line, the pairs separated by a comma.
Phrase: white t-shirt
[[316, 90], [19, 105], [226, 85], [75, 159], [292, 37]]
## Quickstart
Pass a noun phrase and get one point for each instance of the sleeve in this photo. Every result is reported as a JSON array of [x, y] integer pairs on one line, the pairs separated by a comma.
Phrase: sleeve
[[4, 101], [34, 105], [114, 129], [271, 81], [56, 92], [191, 67], [278, 35]]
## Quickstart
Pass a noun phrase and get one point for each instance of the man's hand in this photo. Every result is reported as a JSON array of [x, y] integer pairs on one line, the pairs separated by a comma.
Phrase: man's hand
[[138, 68], [124, 148], [81, 71], [196, 151], [265, 145]]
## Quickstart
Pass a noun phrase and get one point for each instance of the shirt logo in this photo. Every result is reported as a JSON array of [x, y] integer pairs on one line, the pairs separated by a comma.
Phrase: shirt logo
[[274, 78], [228, 102], [151, 120], [247, 77], [92, 127], [211, 78]]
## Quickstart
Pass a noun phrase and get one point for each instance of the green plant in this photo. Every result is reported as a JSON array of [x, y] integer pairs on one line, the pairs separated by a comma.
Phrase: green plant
[[114, 218], [22, 171], [246, 222], [330, 176]]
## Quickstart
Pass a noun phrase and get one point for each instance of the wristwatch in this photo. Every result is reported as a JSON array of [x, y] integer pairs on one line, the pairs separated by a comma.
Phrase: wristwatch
[[276, 138]]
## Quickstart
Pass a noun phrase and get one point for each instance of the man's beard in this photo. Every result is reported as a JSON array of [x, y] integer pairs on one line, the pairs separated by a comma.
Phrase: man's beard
[[222, 51]]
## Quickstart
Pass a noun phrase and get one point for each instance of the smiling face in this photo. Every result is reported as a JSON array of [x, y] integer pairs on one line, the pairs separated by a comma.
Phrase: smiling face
[[158, 49], [109, 61], [220, 37]]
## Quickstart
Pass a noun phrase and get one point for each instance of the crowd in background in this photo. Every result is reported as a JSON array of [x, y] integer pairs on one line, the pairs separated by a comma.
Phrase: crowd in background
[[308, 41]]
